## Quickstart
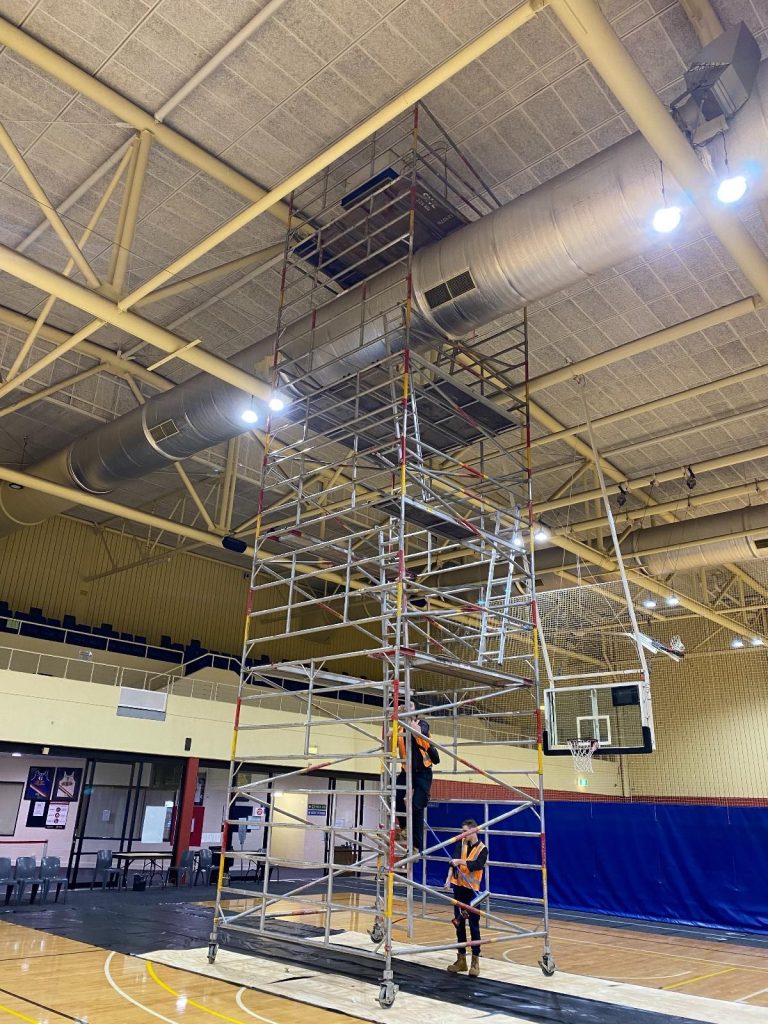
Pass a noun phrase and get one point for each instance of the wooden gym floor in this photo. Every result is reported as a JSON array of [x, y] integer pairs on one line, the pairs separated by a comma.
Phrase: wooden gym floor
[[47, 978]]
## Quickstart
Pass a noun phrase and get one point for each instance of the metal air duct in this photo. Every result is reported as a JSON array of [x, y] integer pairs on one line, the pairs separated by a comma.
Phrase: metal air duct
[[582, 222]]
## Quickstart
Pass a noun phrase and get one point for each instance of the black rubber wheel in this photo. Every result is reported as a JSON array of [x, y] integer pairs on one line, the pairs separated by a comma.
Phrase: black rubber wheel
[[387, 993], [547, 965], [377, 934]]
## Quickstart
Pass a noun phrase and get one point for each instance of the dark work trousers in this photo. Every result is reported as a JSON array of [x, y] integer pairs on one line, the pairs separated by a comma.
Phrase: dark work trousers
[[465, 895], [422, 783]]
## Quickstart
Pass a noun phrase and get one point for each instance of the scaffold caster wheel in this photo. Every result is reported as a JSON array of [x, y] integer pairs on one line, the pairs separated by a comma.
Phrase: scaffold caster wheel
[[377, 934], [387, 993], [213, 949], [547, 965]]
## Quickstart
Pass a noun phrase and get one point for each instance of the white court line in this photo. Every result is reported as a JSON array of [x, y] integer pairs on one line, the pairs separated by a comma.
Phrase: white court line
[[752, 995], [606, 977], [655, 952], [130, 999], [245, 1009]]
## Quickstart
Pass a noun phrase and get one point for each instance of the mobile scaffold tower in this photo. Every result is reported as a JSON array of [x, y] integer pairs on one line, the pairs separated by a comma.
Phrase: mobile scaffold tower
[[393, 577]]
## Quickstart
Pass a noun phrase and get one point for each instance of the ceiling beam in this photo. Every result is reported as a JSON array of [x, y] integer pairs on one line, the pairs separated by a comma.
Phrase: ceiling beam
[[115, 362], [705, 21], [653, 586], [124, 110], [407, 99], [106, 311], [591, 31]]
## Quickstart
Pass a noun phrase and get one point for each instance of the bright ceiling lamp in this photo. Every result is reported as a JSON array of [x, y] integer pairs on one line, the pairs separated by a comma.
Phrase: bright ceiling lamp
[[248, 415], [276, 403], [673, 601], [737, 642], [730, 190], [541, 534], [649, 603], [757, 641], [666, 219]]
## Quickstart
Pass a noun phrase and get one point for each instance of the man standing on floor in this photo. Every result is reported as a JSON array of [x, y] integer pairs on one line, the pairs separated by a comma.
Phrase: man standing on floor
[[465, 876]]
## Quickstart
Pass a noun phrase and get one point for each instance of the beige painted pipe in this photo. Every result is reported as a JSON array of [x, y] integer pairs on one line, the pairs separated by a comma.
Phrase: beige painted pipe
[[112, 361], [465, 56], [691, 500], [253, 259], [104, 310], [657, 403], [129, 218], [679, 473], [654, 586], [590, 29], [645, 344], [46, 206], [124, 110]]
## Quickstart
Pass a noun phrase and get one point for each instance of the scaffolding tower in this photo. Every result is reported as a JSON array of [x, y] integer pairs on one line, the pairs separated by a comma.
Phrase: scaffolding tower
[[392, 581]]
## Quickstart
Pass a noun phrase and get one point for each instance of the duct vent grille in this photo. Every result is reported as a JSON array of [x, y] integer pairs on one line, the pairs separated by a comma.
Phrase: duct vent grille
[[451, 289], [163, 431]]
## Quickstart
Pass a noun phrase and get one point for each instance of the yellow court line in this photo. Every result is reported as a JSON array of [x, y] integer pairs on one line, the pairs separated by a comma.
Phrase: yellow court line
[[700, 977], [14, 1013], [190, 1002]]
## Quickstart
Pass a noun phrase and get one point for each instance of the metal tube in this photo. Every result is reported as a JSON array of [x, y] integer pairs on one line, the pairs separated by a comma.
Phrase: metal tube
[[590, 29], [465, 56]]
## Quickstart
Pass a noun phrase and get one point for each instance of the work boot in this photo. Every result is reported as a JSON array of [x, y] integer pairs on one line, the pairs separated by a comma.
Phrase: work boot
[[460, 965], [474, 970]]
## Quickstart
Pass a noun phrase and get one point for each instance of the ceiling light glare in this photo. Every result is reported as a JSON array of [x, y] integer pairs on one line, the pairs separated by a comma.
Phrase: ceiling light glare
[[672, 601], [248, 415], [730, 190], [737, 642], [518, 541], [649, 603], [542, 535], [757, 641], [276, 404], [666, 219], [16, 753]]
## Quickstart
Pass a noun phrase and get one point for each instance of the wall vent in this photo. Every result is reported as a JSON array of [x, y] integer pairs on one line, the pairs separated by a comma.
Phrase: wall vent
[[451, 289]]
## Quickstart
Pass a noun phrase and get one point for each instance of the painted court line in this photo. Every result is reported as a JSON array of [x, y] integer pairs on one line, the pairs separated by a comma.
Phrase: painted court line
[[654, 952], [251, 1013], [699, 977], [187, 1001], [130, 999], [752, 995]]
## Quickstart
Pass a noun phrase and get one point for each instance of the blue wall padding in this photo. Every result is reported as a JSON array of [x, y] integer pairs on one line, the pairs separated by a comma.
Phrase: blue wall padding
[[684, 863]]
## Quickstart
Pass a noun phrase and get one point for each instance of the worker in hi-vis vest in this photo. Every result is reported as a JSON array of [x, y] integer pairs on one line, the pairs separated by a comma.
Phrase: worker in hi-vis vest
[[423, 756], [465, 877]]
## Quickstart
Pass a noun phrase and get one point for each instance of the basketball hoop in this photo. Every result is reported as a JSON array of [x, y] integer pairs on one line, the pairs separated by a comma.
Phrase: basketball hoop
[[582, 751]]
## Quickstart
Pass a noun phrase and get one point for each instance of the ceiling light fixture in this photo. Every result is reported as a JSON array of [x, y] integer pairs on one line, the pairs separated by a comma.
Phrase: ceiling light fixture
[[649, 603], [690, 479], [731, 190], [666, 219], [737, 642], [673, 601], [248, 415], [276, 404], [757, 641], [16, 487], [621, 500], [542, 534]]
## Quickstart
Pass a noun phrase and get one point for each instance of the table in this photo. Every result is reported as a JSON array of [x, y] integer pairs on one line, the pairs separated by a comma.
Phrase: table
[[152, 857]]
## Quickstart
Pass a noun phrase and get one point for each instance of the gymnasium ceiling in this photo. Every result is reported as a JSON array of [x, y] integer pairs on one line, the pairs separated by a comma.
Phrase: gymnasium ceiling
[[529, 108]]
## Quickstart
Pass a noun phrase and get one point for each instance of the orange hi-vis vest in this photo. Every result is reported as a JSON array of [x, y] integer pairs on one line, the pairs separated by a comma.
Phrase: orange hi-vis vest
[[464, 874], [423, 746]]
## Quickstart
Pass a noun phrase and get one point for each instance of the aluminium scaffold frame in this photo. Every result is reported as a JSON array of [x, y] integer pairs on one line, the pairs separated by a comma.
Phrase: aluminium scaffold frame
[[374, 486]]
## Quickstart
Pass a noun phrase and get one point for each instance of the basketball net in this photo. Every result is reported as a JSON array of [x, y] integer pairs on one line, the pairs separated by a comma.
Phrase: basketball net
[[582, 751]]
